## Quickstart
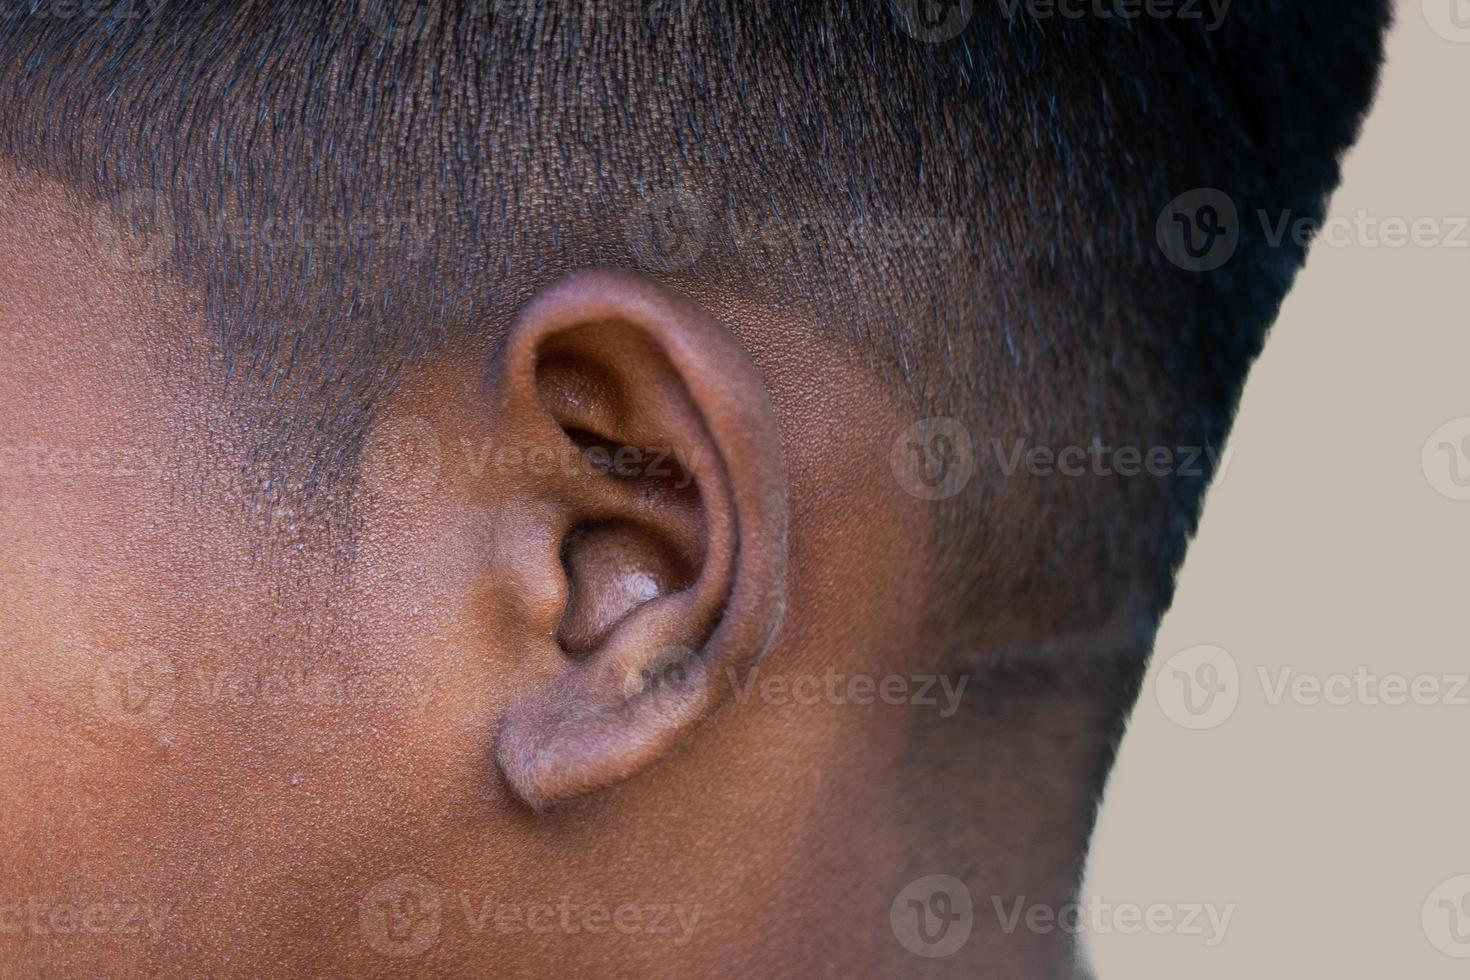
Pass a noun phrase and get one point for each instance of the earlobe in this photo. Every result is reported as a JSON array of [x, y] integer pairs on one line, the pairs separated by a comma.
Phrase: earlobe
[[671, 530]]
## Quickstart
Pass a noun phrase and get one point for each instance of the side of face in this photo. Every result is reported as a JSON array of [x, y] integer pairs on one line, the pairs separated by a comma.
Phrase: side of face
[[543, 714]]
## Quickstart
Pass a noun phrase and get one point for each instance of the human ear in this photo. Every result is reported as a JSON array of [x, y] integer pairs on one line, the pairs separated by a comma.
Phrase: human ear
[[655, 538]]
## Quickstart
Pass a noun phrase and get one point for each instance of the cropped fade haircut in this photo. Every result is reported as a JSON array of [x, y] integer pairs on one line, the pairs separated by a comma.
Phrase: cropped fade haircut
[[353, 186]]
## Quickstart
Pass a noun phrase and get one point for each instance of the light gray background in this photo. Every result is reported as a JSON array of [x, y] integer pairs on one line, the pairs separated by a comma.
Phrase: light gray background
[[1327, 546]]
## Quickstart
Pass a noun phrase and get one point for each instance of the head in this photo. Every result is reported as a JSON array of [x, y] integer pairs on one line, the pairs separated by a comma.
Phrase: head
[[555, 487]]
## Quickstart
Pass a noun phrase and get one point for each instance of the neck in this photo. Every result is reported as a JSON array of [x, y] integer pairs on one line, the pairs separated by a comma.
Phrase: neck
[[964, 828]]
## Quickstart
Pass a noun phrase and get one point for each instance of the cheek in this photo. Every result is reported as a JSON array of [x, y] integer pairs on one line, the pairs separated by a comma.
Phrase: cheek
[[183, 733]]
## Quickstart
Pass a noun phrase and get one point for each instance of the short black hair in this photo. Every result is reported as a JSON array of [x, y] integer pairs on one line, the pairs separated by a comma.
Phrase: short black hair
[[354, 185]]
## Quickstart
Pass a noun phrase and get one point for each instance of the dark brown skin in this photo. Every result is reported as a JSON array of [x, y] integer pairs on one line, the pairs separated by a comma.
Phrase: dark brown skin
[[466, 701]]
